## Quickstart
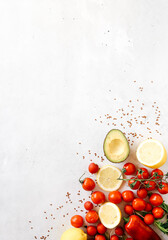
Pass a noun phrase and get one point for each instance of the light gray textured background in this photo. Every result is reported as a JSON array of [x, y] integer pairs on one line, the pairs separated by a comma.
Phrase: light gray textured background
[[62, 63]]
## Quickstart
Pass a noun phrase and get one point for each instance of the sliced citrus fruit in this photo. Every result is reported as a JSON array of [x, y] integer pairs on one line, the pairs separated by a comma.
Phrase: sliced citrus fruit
[[107, 178], [110, 215], [74, 233], [151, 153]]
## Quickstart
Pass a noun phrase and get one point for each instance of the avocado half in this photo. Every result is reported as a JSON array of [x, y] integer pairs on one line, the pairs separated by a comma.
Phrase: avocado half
[[116, 147]]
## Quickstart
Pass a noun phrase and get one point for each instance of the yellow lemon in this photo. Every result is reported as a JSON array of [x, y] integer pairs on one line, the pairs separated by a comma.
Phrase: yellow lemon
[[151, 153], [74, 234], [110, 215], [107, 178]]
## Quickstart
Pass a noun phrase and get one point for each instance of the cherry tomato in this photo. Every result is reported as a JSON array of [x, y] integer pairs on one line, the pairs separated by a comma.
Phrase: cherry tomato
[[91, 216], [100, 237], [132, 182], [149, 219], [115, 197], [88, 184], [101, 228], [128, 196], [91, 230], [119, 231], [77, 221], [93, 168], [114, 237], [142, 193], [129, 169], [150, 185], [156, 199], [88, 205], [98, 197], [138, 204], [129, 239], [157, 172], [148, 207], [163, 188], [128, 209], [158, 212], [142, 173]]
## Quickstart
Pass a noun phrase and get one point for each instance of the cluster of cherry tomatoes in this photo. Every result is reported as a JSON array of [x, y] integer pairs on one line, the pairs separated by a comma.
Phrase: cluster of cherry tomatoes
[[142, 173], [146, 182]]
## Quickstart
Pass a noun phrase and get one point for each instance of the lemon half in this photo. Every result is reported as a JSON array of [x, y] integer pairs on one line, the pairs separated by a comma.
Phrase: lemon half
[[74, 234], [151, 153], [110, 215], [107, 178]]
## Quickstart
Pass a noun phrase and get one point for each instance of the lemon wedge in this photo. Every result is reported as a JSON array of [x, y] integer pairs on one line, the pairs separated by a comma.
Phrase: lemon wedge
[[151, 153], [110, 215], [107, 178]]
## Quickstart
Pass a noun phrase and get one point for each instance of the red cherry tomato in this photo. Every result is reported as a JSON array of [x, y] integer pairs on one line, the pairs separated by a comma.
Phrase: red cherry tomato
[[119, 231], [128, 209], [129, 169], [114, 237], [150, 185], [91, 230], [158, 212], [100, 237], [115, 197], [149, 219], [136, 184], [156, 199], [138, 204], [92, 216], [163, 188], [77, 221], [93, 168], [148, 207], [98, 197], [128, 196], [101, 228], [129, 239], [142, 173], [88, 205], [142, 193], [157, 172], [88, 184]]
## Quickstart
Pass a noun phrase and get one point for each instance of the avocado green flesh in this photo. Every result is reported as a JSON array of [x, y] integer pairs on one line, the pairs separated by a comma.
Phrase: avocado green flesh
[[116, 147]]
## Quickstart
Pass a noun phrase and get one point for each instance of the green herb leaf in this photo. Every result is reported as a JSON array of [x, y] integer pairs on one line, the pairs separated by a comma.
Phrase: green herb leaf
[[161, 226], [164, 206], [126, 220], [166, 175], [107, 236]]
